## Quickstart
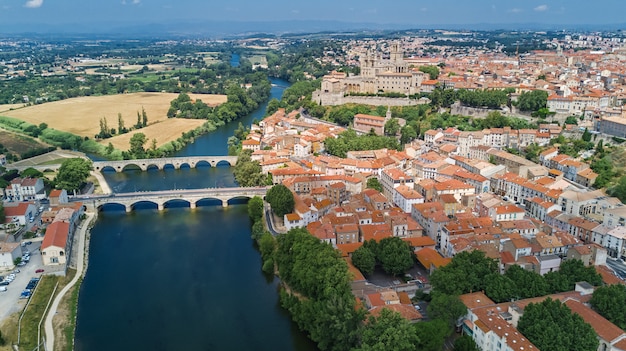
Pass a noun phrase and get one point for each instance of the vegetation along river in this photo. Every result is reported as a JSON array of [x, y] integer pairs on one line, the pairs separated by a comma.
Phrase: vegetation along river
[[181, 279]]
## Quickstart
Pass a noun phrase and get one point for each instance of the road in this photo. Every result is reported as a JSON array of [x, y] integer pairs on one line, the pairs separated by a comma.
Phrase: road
[[205, 191], [80, 263], [10, 301], [618, 267]]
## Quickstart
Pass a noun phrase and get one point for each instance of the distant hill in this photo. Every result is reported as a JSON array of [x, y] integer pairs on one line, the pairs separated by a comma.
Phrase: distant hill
[[229, 28]]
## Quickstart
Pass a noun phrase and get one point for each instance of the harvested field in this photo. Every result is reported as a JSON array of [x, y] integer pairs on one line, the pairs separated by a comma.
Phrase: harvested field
[[8, 107], [163, 131], [81, 116], [18, 144]]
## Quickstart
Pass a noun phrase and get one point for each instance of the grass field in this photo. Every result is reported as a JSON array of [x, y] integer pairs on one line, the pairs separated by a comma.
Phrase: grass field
[[164, 131], [81, 116]]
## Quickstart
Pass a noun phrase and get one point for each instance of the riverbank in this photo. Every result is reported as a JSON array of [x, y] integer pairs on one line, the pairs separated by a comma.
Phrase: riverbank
[[81, 266]]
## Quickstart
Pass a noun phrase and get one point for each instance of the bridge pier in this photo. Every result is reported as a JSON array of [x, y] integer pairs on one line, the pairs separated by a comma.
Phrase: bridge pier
[[128, 208], [224, 203], [161, 207], [192, 205]]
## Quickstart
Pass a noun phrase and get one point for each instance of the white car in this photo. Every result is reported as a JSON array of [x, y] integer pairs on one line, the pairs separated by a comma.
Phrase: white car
[[3, 288]]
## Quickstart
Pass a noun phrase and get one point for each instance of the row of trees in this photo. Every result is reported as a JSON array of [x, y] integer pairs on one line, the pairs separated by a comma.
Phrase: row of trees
[[474, 272], [107, 132]]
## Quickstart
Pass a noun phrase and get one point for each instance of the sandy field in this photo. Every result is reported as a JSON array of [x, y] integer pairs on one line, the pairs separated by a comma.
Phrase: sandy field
[[81, 116], [163, 131]]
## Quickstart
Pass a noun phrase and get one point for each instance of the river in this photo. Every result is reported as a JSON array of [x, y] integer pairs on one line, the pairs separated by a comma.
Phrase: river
[[181, 279]]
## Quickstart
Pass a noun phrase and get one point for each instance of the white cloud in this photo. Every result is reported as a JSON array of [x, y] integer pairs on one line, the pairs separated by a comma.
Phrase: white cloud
[[515, 10], [136, 2], [424, 9], [33, 4], [295, 11], [541, 8]]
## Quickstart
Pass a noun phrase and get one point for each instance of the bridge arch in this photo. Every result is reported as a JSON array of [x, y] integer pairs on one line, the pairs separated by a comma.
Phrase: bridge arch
[[174, 202], [203, 163], [144, 203], [222, 163], [238, 199], [130, 167], [115, 206]]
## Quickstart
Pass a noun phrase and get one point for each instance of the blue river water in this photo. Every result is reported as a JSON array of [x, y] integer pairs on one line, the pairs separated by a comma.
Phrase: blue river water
[[181, 279]]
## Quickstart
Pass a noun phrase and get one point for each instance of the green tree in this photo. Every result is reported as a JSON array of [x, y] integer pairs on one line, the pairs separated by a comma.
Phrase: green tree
[[528, 283], [388, 331], [586, 135], [144, 117], [395, 255], [407, 134], [466, 272], [532, 101], [432, 71], [373, 183], [255, 208], [447, 308], [571, 272], [610, 302], [247, 172], [364, 259], [120, 124], [499, 288], [392, 127], [465, 343], [432, 335], [280, 199], [571, 120], [31, 173], [73, 173], [110, 148], [619, 190], [137, 142], [551, 325]]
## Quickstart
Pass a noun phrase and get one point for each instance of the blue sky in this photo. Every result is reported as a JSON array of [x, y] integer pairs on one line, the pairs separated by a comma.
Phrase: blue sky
[[410, 12]]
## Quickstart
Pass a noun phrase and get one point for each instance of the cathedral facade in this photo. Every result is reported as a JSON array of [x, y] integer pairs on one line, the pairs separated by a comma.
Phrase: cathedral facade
[[378, 75]]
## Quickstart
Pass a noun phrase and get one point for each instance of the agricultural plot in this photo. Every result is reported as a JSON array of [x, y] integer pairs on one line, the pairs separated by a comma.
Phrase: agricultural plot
[[163, 131], [81, 116]]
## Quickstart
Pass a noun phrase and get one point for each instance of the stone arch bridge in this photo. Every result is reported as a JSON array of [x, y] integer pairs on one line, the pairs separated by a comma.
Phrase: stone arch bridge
[[160, 163], [162, 198]]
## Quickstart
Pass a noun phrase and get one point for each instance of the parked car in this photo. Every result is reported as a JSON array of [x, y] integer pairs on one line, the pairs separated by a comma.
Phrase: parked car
[[3, 288], [15, 271], [21, 264], [4, 282], [40, 270], [29, 242]]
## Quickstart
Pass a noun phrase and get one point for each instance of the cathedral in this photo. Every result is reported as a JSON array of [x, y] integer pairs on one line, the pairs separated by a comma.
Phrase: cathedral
[[378, 75]]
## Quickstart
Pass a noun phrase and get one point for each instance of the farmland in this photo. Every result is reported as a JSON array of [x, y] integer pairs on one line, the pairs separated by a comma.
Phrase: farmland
[[81, 116], [163, 131]]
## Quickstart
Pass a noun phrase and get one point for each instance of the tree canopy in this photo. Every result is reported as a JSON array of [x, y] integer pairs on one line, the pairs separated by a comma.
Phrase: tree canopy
[[281, 199], [364, 259], [373, 183], [388, 331], [551, 325], [466, 272], [73, 173], [610, 302], [247, 172], [395, 255], [532, 101], [350, 141]]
